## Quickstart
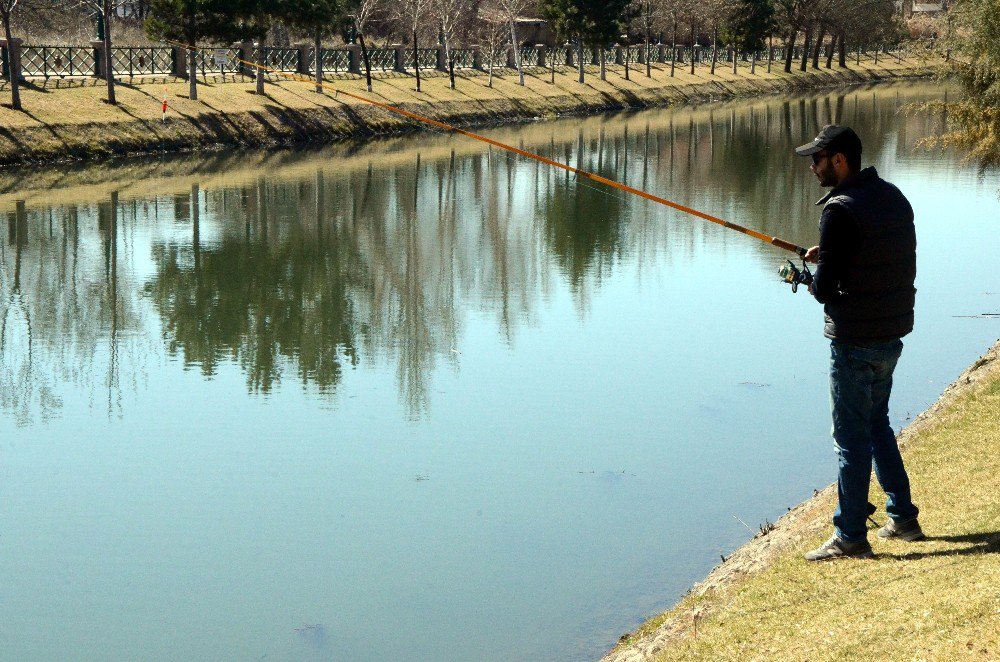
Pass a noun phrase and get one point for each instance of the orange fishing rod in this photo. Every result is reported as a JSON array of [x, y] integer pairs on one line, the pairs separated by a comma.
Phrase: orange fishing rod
[[774, 241]]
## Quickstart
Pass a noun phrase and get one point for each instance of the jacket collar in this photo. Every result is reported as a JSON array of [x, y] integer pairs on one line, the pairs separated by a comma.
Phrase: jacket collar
[[863, 177]]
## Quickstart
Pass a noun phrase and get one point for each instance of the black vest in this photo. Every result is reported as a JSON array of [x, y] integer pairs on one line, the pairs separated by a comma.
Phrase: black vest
[[877, 293]]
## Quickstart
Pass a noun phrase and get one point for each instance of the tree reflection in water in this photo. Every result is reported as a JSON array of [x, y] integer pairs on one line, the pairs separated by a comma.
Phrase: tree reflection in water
[[297, 268], [65, 317]]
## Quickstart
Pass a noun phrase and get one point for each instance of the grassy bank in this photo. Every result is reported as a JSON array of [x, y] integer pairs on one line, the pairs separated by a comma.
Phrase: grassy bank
[[69, 120], [932, 600]]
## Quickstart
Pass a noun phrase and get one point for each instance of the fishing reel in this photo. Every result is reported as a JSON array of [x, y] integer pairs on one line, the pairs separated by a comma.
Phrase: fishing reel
[[793, 275]]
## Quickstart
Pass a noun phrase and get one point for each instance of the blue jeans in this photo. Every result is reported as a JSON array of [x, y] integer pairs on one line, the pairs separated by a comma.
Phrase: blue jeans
[[860, 382]]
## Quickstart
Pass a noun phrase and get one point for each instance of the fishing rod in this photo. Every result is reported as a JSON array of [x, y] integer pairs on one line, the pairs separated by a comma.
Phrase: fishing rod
[[794, 276]]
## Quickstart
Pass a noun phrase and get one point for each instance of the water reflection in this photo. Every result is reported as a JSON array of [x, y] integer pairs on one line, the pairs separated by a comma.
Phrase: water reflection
[[299, 267], [70, 314]]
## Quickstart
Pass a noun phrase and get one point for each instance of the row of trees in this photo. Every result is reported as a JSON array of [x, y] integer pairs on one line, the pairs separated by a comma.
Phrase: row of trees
[[744, 25], [975, 120]]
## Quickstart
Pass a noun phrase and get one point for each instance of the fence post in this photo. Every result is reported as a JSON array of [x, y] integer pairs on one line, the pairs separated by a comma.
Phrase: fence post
[[540, 53], [303, 64], [246, 55], [477, 58], [178, 62], [98, 47], [661, 53], [442, 59], [569, 56], [10, 52], [400, 64], [354, 57]]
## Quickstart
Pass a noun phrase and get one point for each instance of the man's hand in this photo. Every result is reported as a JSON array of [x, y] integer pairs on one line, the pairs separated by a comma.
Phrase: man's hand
[[812, 255]]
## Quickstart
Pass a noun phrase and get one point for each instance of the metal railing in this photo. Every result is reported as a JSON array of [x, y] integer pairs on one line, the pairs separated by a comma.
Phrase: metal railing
[[463, 58], [280, 59], [62, 61], [336, 60], [427, 58], [59, 61], [218, 60], [499, 59], [139, 61], [382, 58]]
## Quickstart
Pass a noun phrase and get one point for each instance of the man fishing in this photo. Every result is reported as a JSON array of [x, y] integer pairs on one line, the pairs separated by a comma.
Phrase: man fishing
[[866, 265]]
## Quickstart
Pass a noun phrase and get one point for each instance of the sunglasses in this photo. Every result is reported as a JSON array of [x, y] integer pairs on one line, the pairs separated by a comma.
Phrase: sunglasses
[[819, 156]]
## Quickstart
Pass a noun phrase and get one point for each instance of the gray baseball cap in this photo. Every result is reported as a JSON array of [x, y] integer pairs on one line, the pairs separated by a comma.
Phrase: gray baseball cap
[[832, 138]]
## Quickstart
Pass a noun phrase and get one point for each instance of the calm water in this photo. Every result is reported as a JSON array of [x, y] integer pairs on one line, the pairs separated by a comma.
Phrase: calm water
[[417, 400]]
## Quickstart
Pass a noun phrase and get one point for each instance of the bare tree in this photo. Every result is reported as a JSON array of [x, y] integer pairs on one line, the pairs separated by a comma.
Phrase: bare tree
[[492, 33], [448, 13], [649, 14], [412, 14], [6, 11], [791, 16], [682, 12], [363, 12], [106, 11], [511, 11]]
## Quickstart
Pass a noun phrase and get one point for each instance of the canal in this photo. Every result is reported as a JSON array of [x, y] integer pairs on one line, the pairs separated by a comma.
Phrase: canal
[[417, 399]]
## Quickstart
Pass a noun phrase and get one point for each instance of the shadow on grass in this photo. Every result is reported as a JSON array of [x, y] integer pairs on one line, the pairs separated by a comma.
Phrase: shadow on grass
[[976, 543]]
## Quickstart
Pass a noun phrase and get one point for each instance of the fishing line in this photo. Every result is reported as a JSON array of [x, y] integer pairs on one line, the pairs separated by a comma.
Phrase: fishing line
[[580, 173]]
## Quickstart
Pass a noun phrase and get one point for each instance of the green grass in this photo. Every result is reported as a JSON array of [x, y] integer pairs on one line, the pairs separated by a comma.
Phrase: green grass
[[932, 600]]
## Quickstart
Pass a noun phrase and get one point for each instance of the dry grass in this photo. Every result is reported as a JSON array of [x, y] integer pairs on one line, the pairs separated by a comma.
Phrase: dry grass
[[69, 119], [932, 600]]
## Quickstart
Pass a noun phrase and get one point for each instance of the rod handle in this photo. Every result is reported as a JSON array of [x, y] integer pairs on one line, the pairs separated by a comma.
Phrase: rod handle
[[789, 246]]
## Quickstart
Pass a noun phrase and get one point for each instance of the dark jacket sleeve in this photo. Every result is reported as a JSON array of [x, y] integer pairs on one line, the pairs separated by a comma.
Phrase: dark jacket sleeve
[[838, 237]]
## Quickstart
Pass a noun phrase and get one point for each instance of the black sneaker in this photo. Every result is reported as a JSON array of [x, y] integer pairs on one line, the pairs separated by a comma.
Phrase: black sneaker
[[835, 548], [908, 531]]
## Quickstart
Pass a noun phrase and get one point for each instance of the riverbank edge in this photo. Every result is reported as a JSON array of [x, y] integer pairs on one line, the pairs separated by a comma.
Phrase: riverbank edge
[[284, 126], [781, 540]]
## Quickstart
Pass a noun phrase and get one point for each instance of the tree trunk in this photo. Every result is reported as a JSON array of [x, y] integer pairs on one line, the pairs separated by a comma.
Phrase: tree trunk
[[649, 73], [517, 52], [261, 63], [626, 57], [192, 55], [715, 47], [805, 48], [579, 52], [109, 69], [450, 56], [13, 64], [770, 51], [736, 57], [416, 61], [790, 49], [843, 52], [819, 46], [368, 64], [673, 49], [833, 48], [318, 60], [692, 48], [552, 63], [604, 75], [192, 39]]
